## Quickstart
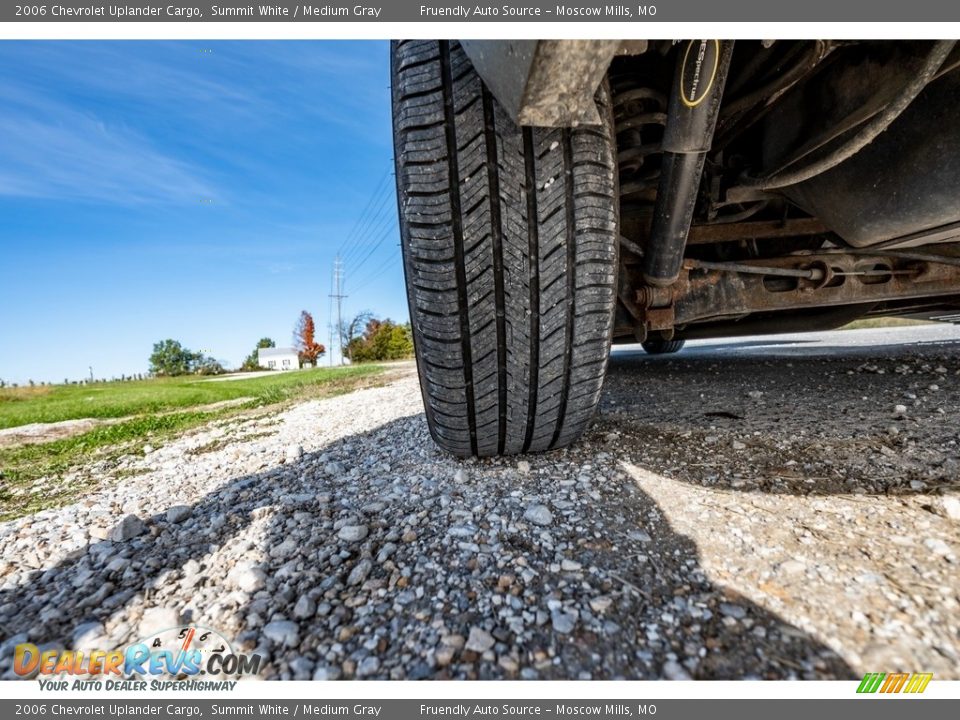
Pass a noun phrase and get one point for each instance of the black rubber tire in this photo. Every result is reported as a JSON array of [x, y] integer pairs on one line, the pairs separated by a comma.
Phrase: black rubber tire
[[659, 346], [510, 240]]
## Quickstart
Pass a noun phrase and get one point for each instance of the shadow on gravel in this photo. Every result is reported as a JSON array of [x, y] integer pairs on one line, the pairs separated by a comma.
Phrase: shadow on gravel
[[604, 590]]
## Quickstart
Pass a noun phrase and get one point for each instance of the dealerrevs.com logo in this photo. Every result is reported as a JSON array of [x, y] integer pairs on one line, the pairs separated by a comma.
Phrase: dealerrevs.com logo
[[172, 658]]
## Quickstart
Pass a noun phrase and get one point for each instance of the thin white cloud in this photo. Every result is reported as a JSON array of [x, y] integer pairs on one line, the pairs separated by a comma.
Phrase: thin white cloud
[[62, 144], [74, 156]]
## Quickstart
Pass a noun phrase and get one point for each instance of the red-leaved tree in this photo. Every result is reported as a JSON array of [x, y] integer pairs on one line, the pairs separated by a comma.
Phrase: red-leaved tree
[[303, 339]]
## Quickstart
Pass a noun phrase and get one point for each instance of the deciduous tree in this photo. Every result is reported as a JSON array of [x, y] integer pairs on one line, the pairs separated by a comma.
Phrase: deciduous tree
[[354, 329], [304, 339], [170, 358], [382, 340]]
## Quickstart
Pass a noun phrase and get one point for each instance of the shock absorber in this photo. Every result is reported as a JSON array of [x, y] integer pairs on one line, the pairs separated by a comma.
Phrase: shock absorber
[[699, 78]]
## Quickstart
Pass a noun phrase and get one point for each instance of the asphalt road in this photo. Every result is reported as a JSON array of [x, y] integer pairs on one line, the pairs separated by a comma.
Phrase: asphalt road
[[837, 343]]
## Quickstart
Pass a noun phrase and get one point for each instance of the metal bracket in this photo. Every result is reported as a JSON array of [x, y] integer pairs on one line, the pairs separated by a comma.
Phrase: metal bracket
[[656, 306]]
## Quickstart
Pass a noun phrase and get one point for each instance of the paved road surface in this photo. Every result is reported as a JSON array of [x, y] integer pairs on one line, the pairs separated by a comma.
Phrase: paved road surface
[[838, 343]]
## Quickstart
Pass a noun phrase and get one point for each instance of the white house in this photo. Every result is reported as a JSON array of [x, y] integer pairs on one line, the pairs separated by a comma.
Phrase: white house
[[278, 358]]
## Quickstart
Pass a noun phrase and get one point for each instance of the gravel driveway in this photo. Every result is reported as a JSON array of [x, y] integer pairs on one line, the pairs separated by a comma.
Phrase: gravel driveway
[[732, 513]]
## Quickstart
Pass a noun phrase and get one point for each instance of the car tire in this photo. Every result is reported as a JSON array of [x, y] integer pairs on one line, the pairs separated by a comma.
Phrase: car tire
[[659, 346], [510, 244]]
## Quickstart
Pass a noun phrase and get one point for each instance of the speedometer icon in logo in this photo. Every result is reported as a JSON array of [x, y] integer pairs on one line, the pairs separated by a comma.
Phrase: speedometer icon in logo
[[182, 652]]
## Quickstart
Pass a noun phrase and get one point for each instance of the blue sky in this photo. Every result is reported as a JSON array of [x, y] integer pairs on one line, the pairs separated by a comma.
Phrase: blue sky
[[192, 190]]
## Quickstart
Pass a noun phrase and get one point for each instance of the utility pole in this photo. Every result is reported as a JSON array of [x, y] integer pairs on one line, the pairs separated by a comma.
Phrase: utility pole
[[330, 322], [330, 344], [338, 295]]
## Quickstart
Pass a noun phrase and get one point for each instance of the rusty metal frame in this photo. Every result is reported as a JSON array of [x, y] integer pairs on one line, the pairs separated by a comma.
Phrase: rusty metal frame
[[705, 294], [728, 232]]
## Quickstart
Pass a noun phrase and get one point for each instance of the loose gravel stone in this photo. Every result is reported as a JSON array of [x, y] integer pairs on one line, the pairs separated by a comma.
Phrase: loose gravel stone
[[178, 513], [327, 672], [601, 604], [480, 640], [385, 552], [368, 666], [733, 611], [444, 656], [294, 453], [156, 619], [359, 572], [951, 507], [672, 670], [285, 633], [461, 531], [936, 546], [353, 533], [86, 636], [538, 515], [130, 527], [305, 608], [563, 622], [792, 567], [248, 577]]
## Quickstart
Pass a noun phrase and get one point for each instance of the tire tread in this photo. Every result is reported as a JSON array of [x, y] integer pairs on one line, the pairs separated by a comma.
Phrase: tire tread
[[510, 248]]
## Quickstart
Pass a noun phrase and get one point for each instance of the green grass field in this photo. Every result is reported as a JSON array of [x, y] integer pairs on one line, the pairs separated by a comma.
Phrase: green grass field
[[52, 403], [31, 475]]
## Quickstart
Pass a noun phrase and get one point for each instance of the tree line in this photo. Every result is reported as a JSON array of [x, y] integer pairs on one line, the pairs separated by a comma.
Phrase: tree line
[[171, 359], [365, 338]]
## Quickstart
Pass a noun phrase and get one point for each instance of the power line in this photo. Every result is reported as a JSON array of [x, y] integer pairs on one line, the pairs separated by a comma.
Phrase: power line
[[387, 258], [377, 221], [391, 263], [371, 227], [377, 200], [366, 209], [362, 243], [388, 230]]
